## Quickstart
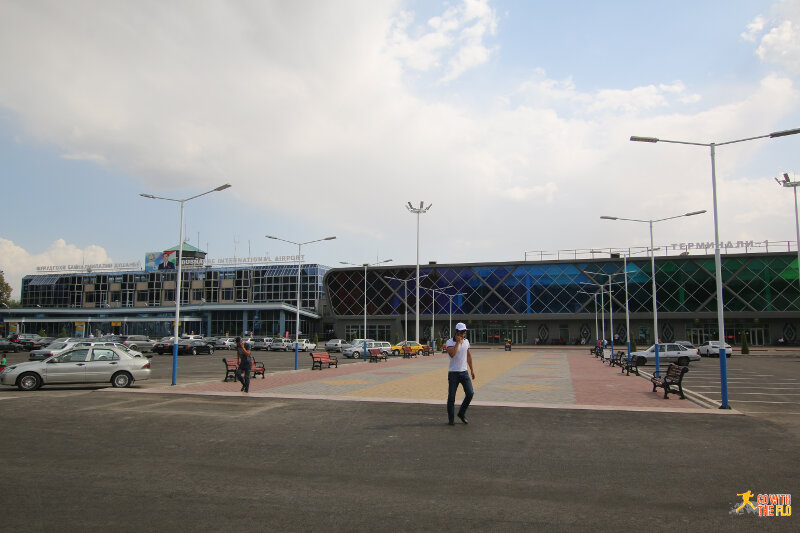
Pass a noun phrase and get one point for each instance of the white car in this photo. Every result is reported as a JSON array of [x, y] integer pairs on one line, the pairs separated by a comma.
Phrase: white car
[[84, 364], [356, 350], [710, 348], [334, 345], [303, 345], [281, 343], [668, 352]]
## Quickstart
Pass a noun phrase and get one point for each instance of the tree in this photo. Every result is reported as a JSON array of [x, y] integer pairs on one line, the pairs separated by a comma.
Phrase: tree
[[745, 344], [5, 291]]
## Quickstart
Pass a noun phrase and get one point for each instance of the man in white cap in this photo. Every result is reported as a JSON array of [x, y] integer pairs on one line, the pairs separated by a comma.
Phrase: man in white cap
[[460, 359]]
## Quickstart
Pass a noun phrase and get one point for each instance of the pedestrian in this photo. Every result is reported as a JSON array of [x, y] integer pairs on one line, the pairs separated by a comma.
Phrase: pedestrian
[[243, 356], [460, 359], [3, 362]]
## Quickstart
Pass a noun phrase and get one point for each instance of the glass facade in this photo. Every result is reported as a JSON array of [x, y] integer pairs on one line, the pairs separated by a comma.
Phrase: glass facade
[[534, 302], [214, 301]]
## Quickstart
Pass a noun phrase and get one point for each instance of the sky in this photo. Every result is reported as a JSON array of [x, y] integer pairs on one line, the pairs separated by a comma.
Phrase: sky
[[511, 118]]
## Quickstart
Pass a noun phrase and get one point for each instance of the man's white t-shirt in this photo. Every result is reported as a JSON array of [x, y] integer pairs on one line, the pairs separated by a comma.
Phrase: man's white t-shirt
[[458, 363]]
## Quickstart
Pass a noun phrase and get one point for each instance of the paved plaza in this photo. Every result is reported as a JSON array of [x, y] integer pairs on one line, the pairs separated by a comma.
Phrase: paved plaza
[[522, 378]]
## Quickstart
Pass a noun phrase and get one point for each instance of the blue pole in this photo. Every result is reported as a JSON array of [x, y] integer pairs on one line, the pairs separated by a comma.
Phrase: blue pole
[[296, 347]]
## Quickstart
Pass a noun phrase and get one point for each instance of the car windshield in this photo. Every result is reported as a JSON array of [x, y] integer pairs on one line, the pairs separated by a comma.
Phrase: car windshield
[[57, 346]]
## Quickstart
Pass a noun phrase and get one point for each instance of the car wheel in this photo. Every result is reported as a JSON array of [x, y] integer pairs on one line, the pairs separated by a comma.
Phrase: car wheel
[[396, 352], [29, 381], [356, 355], [133, 347], [121, 380], [210, 350], [194, 351], [727, 354], [683, 361]]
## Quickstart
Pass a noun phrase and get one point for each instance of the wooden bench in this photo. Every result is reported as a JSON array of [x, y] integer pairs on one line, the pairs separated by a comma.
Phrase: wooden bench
[[232, 365], [630, 366], [322, 358], [375, 355], [426, 350], [408, 353], [673, 377]]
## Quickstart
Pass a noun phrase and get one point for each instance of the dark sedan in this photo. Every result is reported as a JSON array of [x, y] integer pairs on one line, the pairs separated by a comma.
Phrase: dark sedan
[[185, 347], [8, 346]]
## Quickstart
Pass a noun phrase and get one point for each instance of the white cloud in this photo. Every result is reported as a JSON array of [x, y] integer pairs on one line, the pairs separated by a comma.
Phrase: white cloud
[[779, 35], [459, 32], [18, 262]]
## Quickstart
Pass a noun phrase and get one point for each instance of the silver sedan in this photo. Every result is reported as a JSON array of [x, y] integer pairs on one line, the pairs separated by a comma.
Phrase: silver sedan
[[86, 364], [668, 353]]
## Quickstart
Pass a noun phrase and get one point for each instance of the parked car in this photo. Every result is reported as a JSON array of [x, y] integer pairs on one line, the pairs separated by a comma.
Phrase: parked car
[[164, 345], [55, 348], [688, 344], [334, 345], [356, 350], [354, 342], [667, 353], [85, 364], [141, 343], [262, 343], [28, 341], [8, 346], [194, 347], [280, 343], [225, 343], [397, 349], [711, 348], [303, 345], [385, 347]]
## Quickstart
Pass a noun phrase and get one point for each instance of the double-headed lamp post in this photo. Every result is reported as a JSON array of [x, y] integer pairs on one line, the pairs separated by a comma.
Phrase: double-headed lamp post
[[793, 185], [365, 265], [405, 297], [723, 368], [178, 280], [299, 267], [418, 211], [653, 269]]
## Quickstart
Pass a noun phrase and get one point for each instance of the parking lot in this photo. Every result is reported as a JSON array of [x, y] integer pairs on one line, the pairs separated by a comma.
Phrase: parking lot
[[80, 459]]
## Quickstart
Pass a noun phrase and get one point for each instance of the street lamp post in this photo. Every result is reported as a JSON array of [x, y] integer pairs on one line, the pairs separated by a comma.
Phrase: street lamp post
[[297, 310], [418, 211], [793, 185], [405, 297], [178, 280], [653, 269], [365, 265], [596, 325], [723, 368], [433, 314]]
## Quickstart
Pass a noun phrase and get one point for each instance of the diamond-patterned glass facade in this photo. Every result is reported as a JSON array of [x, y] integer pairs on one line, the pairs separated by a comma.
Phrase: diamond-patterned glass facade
[[751, 283]]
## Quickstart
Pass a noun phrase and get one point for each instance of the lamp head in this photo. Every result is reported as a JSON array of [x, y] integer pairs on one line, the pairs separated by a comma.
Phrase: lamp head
[[694, 213], [785, 177], [146, 195], [784, 133], [634, 138], [328, 238], [223, 187], [270, 237], [604, 217]]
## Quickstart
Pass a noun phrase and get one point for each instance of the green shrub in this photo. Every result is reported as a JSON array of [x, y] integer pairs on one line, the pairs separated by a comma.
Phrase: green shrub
[[42, 333], [745, 345], [633, 346]]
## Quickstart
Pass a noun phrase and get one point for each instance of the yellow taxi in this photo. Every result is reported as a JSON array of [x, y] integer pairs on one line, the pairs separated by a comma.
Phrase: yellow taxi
[[397, 349]]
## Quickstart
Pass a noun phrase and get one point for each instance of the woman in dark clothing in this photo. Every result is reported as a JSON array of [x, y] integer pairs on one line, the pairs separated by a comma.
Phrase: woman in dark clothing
[[243, 355]]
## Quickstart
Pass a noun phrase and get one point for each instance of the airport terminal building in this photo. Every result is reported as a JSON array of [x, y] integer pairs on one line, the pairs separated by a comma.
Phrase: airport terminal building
[[545, 301]]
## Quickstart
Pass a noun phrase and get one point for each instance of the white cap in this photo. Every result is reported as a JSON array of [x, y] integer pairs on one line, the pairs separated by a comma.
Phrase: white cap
[[461, 327]]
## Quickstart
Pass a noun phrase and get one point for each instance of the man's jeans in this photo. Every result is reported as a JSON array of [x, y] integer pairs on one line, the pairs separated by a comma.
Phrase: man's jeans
[[454, 378]]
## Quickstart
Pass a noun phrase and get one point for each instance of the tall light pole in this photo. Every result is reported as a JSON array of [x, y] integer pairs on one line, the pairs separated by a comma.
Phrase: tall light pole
[[365, 265], [653, 269], [433, 314], [723, 368], [178, 280], [405, 297], [596, 326], [793, 185], [418, 211], [299, 267]]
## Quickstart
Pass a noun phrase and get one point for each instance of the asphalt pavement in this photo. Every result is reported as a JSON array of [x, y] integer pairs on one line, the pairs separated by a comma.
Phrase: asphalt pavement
[[84, 459]]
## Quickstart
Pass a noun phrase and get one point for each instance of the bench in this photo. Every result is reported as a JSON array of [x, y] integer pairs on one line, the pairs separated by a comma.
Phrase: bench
[[232, 365], [618, 359], [408, 352], [322, 358], [426, 350], [375, 355], [673, 377], [630, 366]]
